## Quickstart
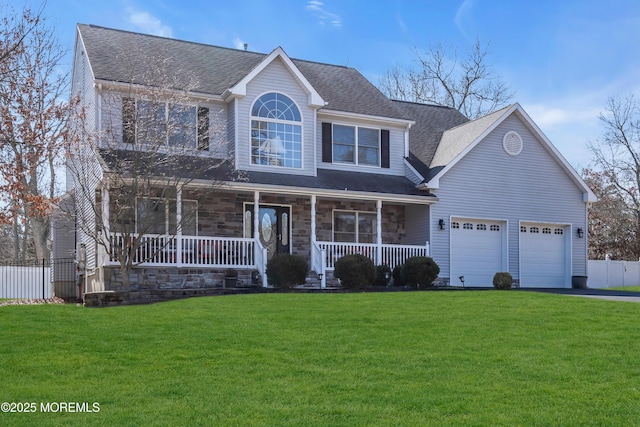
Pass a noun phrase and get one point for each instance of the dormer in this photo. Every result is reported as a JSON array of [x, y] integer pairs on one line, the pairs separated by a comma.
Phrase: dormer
[[273, 109]]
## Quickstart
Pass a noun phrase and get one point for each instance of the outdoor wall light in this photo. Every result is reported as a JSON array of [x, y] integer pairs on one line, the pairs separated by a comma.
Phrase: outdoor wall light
[[441, 223], [462, 280], [320, 276], [580, 233]]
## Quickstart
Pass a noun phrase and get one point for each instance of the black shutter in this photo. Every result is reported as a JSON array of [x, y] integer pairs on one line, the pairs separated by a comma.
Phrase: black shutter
[[327, 143], [384, 148]]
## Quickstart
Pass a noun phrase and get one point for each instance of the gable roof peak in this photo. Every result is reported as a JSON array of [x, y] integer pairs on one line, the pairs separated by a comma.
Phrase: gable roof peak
[[240, 88]]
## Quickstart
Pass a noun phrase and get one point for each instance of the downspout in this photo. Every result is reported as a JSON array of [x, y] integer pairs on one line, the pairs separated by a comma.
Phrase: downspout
[[178, 227], [99, 112]]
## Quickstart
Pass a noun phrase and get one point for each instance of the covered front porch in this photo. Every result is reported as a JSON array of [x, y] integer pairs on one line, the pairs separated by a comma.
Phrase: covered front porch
[[242, 229]]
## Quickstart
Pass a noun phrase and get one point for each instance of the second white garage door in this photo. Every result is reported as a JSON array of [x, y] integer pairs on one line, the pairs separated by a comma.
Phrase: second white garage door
[[478, 251], [544, 256]]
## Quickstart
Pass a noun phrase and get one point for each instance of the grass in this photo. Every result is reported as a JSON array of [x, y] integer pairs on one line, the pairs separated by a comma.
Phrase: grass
[[471, 358]]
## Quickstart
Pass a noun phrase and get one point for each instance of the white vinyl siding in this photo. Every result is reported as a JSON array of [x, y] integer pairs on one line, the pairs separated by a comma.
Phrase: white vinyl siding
[[90, 174], [489, 183], [416, 224]]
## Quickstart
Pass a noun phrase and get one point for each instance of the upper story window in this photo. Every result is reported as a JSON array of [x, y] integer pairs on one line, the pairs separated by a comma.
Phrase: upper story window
[[344, 144], [276, 132], [164, 123], [357, 145]]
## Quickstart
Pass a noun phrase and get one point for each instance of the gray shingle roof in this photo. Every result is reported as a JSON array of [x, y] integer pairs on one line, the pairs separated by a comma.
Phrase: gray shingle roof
[[205, 168], [127, 57], [425, 134]]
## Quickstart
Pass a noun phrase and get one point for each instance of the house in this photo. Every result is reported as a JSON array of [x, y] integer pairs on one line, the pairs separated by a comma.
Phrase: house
[[329, 166]]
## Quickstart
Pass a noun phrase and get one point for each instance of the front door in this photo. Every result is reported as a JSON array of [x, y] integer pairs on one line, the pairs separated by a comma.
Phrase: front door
[[273, 225]]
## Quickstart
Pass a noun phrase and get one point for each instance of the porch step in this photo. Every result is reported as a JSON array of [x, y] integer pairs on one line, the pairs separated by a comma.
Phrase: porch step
[[313, 281]]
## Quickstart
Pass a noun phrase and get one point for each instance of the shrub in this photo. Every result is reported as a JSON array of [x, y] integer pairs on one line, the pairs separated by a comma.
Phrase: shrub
[[355, 271], [287, 271], [381, 270], [502, 280], [398, 276], [420, 272]]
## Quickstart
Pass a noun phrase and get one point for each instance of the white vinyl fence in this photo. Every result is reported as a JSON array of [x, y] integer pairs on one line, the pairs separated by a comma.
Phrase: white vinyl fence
[[18, 282], [610, 274]]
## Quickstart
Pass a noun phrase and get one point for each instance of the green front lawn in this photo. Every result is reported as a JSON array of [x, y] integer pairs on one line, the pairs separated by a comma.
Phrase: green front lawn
[[405, 358]]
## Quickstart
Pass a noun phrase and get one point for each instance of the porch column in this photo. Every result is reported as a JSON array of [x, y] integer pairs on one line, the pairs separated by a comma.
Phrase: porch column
[[379, 233], [179, 227], [105, 227], [256, 212], [313, 218]]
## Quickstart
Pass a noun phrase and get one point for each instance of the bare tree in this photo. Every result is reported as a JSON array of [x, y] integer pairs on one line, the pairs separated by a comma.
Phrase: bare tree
[[14, 29], [135, 179], [616, 217], [32, 125], [609, 220], [441, 77]]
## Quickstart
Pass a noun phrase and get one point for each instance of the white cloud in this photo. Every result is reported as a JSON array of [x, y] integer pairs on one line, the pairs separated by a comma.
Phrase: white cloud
[[238, 44], [553, 116], [316, 7], [149, 24], [402, 25], [570, 127], [463, 16]]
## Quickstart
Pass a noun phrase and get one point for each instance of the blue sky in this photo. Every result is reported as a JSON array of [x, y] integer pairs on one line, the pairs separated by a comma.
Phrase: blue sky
[[562, 58]]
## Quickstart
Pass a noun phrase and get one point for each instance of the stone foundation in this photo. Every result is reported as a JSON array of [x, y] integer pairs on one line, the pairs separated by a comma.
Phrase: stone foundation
[[115, 298], [171, 278]]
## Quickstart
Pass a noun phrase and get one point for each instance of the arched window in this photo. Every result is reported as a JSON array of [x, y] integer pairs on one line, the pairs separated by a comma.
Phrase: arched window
[[276, 132]]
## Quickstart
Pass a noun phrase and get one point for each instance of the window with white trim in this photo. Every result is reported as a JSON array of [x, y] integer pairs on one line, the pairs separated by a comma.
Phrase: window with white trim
[[494, 227], [354, 227], [276, 132], [164, 123], [467, 226], [546, 230], [160, 216], [558, 231], [357, 145]]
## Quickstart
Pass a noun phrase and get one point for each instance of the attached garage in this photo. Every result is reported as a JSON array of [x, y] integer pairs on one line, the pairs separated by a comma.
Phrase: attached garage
[[544, 255], [478, 250]]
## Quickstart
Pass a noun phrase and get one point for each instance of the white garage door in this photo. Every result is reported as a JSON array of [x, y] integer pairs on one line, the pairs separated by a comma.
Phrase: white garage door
[[543, 256], [478, 251]]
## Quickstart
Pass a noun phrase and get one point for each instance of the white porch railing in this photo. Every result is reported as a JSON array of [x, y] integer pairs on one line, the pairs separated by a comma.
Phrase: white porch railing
[[190, 251], [247, 253], [388, 254]]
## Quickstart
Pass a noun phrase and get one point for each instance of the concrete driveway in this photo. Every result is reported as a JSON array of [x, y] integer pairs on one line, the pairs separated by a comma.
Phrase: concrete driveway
[[612, 295]]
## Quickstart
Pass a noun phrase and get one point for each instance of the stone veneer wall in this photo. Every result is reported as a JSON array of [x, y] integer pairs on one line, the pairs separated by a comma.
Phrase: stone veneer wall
[[170, 278], [221, 214]]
